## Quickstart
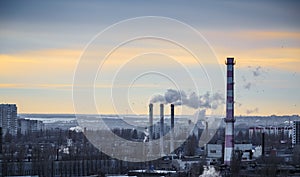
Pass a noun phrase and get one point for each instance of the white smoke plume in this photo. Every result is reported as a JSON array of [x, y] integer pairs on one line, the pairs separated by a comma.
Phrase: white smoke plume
[[158, 98], [192, 100], [210, 171]]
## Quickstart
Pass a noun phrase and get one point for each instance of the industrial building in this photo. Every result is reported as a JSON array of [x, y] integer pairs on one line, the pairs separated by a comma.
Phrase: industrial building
[[214, 152]]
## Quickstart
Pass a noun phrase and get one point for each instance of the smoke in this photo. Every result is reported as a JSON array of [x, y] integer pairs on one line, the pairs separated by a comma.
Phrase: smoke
[[254, 77], [238, 104], [193, 100], [250, 111], [248, 85], [171, 96], [158, 98], [210, 171], [257, 71], [76, 129]]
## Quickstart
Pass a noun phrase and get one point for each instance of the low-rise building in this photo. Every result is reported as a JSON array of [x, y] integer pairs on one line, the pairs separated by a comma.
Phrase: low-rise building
[[246, 149], [214, 150]]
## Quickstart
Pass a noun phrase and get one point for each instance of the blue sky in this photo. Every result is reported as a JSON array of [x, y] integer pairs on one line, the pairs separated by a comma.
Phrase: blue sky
[[41, 42]]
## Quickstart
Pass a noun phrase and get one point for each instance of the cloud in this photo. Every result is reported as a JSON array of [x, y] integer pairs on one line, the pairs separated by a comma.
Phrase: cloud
[[192, 100], [264, 35], [35, 86]]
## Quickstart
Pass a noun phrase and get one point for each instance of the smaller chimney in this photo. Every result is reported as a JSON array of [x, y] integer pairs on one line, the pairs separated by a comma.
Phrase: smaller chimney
[[150, 121], [172, 116], [172, 129], [162, 120], [161, 137]]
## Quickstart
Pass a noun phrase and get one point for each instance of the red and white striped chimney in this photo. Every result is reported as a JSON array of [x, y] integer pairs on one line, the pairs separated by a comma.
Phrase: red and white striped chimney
[[229, 120]]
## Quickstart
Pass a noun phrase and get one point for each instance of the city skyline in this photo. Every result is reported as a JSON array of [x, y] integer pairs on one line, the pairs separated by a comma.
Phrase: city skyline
[[40, 45]]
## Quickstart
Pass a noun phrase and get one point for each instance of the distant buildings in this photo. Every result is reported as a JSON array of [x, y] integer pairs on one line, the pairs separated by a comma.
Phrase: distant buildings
[[275, 130], [26, 126], [11, 124], [296, 133], [8, 118]]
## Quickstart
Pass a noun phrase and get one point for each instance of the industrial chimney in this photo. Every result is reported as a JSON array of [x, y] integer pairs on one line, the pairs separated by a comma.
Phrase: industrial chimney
[[172, 129], [161, 137], [150, 121], [229, 120]]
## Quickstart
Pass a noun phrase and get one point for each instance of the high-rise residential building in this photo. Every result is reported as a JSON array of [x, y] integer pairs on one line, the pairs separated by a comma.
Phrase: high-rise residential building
[[296, 132], [8, 118]]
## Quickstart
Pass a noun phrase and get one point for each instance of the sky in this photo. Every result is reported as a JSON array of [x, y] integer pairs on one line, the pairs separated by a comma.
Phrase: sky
[[42, 44]]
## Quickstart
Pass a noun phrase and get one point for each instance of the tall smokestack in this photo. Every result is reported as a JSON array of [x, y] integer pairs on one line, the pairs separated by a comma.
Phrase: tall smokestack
[[229, 120], [150, 121], [161, 137], [172, 129], [263, 144]]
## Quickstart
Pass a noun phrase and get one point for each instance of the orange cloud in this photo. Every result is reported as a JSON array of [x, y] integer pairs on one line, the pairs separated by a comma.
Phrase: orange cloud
[[270, 34], [240, 35], [36, 65], [34, 86], [280, 58]]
